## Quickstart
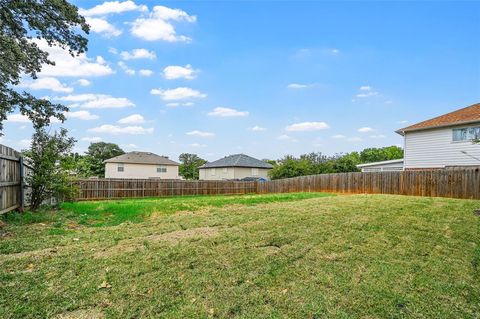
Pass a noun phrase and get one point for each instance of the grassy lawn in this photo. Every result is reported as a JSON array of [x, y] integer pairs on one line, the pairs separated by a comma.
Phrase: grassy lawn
[[270, 256]]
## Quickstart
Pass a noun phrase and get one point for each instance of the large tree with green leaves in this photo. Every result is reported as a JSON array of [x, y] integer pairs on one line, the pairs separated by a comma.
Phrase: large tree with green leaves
[[99, 152], [48, 178], [55, 21], [190, 164]]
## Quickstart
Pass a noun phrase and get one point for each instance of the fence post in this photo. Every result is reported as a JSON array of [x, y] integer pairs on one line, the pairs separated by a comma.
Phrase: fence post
[[22, 185]]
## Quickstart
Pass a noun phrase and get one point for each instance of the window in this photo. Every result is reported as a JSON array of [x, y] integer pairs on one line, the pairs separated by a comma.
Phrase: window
[[466, 134], [161, 169], [120, 167], [225, 170], [212, 171], [254, 171]]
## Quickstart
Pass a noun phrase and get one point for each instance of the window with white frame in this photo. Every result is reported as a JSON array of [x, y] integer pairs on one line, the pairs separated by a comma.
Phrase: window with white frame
[[254, 171], [120, 167], [212, 171], [161, 169], [466, 134]]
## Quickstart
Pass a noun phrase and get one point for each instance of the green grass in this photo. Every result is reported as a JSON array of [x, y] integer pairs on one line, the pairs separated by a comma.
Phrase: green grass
[[273, 256]]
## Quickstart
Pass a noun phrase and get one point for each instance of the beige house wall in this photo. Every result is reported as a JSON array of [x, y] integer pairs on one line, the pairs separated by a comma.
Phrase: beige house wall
[[140, 171], [222, 173]]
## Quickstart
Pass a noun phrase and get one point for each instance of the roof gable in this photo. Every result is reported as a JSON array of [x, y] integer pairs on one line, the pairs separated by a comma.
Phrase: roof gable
[[465, 115], [237, 160], [141, 158]]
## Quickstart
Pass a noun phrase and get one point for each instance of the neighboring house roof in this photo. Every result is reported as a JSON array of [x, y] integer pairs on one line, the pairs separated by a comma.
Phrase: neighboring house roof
[[469, 114], [237, 160], [141, 158], [399, 161]]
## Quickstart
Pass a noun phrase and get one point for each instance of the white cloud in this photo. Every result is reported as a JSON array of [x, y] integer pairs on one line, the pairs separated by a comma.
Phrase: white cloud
[[25, 143], [112, 7], [145, 72], [68, 66], [112, 50], [307, 126], [84, 82], [82, 115], [93, 139], [132, 119], [354, 139], [138, 54], [257, 128], [180, 93], [365, 129], [335, 51], [285, 137], [96, 101], [100, 25], [378, 136], [198, 145], [176, 104], [200, 133], [158, 25], [18, 118], [339, 136], [125, 68], [227, 112], [47, 83], [130, 146], [300, 86], [172, 72], [114, 129], [403, 122], [366, 91]]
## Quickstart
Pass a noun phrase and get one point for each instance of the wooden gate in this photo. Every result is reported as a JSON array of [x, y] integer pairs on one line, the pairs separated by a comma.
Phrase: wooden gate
[[12, 180]]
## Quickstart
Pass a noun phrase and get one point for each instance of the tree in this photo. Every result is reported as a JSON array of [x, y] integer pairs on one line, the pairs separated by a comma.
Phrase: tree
[[55, 21], [190, 164], [99, 152], [48, 179], [290, 166], [369, 155], [76, 164]]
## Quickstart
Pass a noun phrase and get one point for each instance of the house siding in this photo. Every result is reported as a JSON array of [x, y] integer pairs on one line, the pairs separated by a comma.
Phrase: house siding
[[435, 149], [232, 173], [389, 167], [140, 171]]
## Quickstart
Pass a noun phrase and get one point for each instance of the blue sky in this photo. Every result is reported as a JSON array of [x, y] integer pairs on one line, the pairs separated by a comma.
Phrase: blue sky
[[262, 78]]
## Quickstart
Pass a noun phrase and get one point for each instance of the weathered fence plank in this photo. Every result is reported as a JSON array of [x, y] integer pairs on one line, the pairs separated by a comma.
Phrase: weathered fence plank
[[12, 174], [95, 189], [439, 183]]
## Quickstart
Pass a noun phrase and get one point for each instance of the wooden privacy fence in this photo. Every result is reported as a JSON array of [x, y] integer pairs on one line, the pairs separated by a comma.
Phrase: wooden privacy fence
[[92, 189], [436, 183], [13, 191]]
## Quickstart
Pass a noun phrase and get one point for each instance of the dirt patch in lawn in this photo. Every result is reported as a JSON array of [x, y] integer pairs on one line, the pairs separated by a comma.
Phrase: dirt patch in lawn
[[33, 253], [81, 314], [131, 245]]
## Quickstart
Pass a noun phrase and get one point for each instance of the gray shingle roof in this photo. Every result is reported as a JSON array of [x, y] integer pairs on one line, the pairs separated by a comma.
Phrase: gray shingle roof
[[237, 160], [141, 158]]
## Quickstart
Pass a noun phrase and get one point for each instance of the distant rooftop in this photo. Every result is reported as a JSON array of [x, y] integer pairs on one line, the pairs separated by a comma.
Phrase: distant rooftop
[[237, 160], [469, 114], [141, 158]]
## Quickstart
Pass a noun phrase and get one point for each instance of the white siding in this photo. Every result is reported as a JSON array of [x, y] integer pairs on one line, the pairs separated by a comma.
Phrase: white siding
[[435, 149], [383, 167], [140, 171]]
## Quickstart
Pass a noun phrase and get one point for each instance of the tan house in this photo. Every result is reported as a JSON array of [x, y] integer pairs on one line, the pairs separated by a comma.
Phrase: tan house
[[141, 165], [236, 166]]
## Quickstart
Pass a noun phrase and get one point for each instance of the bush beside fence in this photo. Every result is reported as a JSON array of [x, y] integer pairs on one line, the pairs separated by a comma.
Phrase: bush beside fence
[[435, 183]]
